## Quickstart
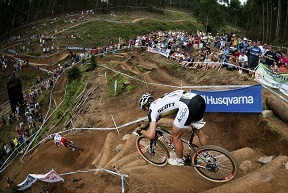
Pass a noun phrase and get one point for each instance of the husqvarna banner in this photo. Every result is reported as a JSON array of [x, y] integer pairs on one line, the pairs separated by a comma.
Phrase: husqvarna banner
[[242, 100]]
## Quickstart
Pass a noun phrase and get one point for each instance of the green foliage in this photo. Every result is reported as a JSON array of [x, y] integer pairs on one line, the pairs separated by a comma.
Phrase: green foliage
[[129, 88], [14, 189], [58, 114], [175, 66], [120, 85], [155, 10], [127, 31], [41, 134], [210, 15], [93, 62], [73, 89], [26, 76], [74, 73]]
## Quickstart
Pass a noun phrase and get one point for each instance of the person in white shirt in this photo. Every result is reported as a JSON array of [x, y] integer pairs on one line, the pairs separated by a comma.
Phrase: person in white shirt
[[242, 62]]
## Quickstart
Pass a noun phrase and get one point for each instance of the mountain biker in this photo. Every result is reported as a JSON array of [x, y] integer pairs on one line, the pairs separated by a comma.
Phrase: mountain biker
[[58, 139], [188, 107]]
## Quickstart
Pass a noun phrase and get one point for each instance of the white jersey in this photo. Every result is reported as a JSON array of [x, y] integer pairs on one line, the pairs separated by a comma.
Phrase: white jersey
[[57, 138], [188, 107]]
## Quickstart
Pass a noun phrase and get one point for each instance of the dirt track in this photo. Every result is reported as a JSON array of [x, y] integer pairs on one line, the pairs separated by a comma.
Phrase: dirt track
[[245, 134]]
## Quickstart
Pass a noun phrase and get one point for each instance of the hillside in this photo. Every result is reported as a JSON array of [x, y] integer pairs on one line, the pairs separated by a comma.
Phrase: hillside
[[248, 136]]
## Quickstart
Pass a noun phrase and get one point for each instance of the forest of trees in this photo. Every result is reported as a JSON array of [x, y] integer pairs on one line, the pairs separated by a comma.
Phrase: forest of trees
[[265, 20]]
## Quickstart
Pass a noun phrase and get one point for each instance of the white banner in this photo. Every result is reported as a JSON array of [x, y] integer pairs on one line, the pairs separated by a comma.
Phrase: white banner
[[163, 52], [51, 176], [266, 76], [284, 89]]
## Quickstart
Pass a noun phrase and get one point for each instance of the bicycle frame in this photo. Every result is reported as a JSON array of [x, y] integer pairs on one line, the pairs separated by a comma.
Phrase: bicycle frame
[[162, 133], [191, 145]]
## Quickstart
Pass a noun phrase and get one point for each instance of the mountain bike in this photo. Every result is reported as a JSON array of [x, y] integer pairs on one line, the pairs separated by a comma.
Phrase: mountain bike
[[212, 162], [68, 143], [73, 146]]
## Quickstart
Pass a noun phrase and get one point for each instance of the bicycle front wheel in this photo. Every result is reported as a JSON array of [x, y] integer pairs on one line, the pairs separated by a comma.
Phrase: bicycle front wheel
[[154, 151], [215, 163]]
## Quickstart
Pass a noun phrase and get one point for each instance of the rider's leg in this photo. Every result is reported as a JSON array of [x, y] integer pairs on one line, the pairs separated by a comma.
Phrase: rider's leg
[[176, 137], [203, 138]]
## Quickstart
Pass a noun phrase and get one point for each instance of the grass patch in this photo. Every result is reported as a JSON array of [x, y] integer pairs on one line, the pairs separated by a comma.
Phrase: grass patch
[[116, 85], [73, 89], [102, 32]]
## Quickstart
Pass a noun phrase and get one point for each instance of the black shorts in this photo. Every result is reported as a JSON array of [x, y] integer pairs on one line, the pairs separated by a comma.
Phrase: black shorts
[[196, 106]]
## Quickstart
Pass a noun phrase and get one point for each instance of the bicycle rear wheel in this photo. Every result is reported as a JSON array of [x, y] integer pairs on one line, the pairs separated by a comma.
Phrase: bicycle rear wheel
[[154, 151], [215, 163]]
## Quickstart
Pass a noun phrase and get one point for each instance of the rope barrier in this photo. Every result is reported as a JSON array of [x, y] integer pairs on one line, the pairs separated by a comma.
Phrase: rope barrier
[[123, 176]]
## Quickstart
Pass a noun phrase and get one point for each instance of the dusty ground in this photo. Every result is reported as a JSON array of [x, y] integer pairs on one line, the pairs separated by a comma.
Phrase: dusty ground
[[247, 135]]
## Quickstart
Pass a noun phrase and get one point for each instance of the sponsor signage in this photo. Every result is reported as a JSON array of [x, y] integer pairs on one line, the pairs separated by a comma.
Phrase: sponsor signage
[[78, 48], [12, 51], [242, 100]]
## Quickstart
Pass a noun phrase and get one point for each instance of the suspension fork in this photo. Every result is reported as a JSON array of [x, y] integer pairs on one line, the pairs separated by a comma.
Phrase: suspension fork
[[153, 141]]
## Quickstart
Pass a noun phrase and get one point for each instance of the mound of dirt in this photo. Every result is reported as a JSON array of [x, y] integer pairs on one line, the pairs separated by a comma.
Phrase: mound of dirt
[[246, 135]]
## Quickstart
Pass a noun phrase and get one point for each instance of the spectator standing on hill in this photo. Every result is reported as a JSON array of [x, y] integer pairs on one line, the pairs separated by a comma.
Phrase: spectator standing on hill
[[255, 53], [247, 53], [245, 45], [3, 120], [66, 64], [260, 46], [209, 39], [188, 46], [282, 63], [40, 118], [12, 145], [196, 43], [10, 119], [18, 131], [217, 40], [7, 149], [270, 57], [16, 142]]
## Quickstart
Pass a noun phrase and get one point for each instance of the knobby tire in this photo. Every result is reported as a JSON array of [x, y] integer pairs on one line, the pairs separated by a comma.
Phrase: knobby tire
[[157, 155], [224, 164]]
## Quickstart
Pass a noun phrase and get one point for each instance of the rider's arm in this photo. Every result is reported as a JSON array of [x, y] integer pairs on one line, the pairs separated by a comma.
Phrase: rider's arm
[[146, 126], [150, 133]]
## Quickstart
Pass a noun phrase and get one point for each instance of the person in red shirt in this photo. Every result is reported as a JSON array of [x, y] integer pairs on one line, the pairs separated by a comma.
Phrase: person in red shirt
[[236, 56], [196, 43], [282, 63]]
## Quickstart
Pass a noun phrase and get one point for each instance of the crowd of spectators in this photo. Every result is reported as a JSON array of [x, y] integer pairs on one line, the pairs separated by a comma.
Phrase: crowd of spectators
[[26, 119], [205, 51], [201, 50]]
